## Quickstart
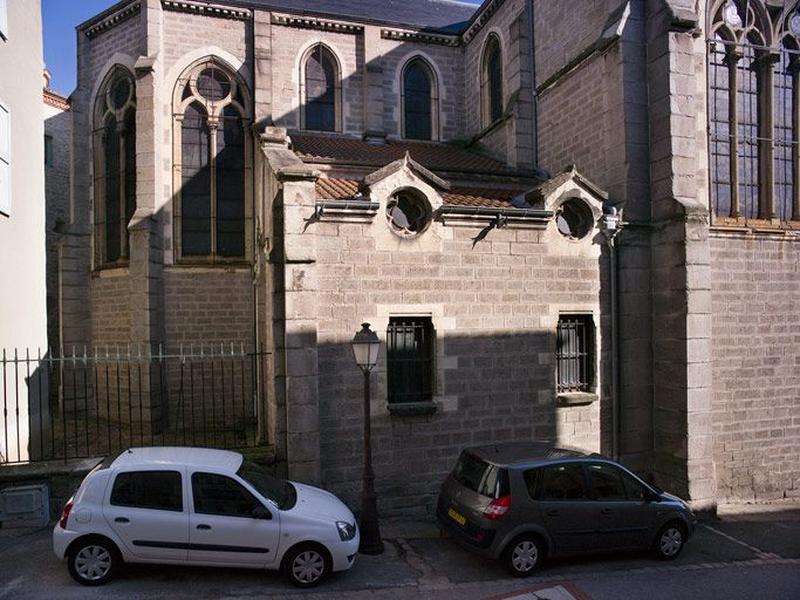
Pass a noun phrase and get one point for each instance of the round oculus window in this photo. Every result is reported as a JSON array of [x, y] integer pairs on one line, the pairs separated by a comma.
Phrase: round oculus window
[[213, 84], [574, 219], [408, 213]]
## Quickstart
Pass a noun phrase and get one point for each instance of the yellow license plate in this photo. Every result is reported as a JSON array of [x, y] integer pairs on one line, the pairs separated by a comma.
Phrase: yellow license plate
[[457, 517]]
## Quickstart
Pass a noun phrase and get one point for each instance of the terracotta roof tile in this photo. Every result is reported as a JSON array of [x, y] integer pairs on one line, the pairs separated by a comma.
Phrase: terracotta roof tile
[[344, 189], [470, 196], [431, 155], [336, 189]]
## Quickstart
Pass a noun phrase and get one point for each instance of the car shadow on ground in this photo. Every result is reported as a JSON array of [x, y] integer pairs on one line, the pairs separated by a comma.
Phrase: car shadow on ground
[[450, 560]]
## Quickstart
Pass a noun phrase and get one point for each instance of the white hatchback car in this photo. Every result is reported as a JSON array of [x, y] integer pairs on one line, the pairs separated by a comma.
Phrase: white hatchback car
[[201, 507]]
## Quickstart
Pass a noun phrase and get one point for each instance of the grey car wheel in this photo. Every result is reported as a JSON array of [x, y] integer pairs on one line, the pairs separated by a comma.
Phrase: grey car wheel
[[523, 556], [92, 562], [670, 540], [306, 566]]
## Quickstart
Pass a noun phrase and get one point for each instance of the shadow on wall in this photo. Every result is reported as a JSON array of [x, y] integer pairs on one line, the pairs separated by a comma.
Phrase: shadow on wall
[[491, 389]]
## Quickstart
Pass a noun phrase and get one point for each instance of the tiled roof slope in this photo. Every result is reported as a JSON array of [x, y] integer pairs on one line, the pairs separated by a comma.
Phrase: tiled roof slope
[[433, 156], [439, 15], [345, 189]]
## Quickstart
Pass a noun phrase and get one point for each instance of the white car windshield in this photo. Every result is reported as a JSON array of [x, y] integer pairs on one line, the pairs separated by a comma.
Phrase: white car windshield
[[280, 491]]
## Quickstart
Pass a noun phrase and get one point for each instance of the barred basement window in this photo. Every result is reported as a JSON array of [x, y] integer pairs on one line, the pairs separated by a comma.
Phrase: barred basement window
[[575, 354], [410, 344]]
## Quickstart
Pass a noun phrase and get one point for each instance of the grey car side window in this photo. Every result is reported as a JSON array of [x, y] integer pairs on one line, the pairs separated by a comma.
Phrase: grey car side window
[[606, 482], [559, 483]]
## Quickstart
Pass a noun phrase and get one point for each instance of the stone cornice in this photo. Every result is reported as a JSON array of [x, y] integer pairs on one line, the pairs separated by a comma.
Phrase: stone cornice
[[315, 23], [480, 19], [406, 35], [211, 10], [113, 19], [55, 100]]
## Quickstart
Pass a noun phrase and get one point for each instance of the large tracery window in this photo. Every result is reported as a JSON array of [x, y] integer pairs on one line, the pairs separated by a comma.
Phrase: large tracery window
[[420, 101], [320, 90], [114, 141], [753, 111], [491, 81], [211, 172]]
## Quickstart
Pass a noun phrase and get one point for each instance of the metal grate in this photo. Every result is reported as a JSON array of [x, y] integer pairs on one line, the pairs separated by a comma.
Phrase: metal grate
[[83, 404], [575, 353], [409, 359]]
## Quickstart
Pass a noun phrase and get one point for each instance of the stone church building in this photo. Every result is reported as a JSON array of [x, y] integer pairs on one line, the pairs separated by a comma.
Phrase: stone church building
[[569, 221]]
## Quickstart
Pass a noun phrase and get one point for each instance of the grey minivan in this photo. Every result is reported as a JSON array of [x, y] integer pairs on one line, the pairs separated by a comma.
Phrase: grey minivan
[[520, 502]]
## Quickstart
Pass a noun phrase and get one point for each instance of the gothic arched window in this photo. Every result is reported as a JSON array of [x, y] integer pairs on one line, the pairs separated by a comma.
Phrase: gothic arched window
[[786, 81], [114, 142], [491, 81], [211, 165], [320, 90], [420, 101], [753, 110]]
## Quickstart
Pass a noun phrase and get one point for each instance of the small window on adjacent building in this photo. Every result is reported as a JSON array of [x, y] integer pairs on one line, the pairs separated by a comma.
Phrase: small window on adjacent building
[[5, 160], [409, 359], [48, 150], [575, 353], [156, 490]]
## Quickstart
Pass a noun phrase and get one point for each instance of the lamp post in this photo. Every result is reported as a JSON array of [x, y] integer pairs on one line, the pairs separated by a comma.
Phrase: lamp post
[[365, 350]]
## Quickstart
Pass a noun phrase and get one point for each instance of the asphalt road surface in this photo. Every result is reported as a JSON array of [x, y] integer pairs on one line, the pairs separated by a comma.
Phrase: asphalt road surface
[[755, 556]]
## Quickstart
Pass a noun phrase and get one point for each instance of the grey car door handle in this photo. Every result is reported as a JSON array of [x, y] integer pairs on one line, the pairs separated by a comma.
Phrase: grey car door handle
[[205, 527], [122, 520]]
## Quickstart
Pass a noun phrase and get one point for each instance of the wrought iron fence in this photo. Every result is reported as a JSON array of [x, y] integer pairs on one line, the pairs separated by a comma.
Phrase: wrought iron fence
[[82, 404]]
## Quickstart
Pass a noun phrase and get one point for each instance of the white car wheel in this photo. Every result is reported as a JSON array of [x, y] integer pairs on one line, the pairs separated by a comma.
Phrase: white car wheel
[[307, 566], [92, 562]]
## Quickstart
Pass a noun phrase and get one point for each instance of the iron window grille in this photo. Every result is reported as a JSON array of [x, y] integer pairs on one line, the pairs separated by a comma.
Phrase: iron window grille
[[410, 344], [575, 354]]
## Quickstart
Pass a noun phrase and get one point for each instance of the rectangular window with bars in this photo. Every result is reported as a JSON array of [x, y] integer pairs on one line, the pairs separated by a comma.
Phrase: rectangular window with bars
[[575, 354], [410, 347]]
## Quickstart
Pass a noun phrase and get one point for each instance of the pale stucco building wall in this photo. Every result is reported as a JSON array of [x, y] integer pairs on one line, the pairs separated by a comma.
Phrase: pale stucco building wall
[[23, 321]]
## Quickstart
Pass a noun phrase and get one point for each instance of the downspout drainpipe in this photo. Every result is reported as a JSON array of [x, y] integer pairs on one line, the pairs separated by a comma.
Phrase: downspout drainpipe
[[534, 95], [611, 223], [615, 420]]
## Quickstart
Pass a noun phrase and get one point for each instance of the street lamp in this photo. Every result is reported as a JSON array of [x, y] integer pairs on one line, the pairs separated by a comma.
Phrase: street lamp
[[365, 350]]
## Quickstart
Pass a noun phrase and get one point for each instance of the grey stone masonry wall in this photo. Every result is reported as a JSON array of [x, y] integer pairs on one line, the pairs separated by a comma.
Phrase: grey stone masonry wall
[[756, 366], [210, 306], [512, 141], [494, 305], [680, 261], [58, 126], [595, 115]]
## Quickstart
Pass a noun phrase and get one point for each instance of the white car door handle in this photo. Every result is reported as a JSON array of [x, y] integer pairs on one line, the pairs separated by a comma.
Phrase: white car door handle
[[122, 520], [205, 527]]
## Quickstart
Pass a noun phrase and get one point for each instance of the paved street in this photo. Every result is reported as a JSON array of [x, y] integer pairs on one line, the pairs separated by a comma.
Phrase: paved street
[[741, 556]]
